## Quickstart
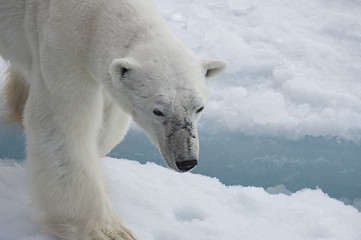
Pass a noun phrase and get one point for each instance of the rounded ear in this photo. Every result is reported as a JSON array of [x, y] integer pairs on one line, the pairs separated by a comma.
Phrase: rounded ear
[[213, 67], [120, 66]]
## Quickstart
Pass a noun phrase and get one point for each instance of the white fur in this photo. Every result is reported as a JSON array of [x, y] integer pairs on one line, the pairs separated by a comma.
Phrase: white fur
[[92, 65]]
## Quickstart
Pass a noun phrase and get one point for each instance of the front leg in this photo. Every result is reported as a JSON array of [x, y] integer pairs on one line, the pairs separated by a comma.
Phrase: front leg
[[114, 125], [63, 160]]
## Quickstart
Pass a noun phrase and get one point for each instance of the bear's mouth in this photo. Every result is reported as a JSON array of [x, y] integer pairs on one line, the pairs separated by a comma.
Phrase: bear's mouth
[[171, 164], [179, 165]]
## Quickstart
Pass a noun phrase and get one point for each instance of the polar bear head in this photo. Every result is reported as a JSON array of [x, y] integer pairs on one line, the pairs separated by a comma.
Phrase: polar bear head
[[166, 98]]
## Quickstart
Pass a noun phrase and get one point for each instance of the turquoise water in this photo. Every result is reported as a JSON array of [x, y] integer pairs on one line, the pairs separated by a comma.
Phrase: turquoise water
[[235, 159], [12, 141], [332, 164]]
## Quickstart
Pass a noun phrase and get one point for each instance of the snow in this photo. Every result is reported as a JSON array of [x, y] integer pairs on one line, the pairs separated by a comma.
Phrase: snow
[[293, 66], [160, 204]]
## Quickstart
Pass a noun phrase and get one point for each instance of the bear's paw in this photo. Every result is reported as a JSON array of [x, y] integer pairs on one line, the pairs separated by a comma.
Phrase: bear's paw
[[109, 233]]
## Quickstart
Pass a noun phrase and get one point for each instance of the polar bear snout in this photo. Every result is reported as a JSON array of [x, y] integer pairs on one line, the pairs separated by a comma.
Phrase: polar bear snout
[[179, 147], [185, 166]]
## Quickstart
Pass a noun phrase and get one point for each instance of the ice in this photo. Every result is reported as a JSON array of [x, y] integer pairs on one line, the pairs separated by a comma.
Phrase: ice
[[278, 190], [293, 67], [160, 204]]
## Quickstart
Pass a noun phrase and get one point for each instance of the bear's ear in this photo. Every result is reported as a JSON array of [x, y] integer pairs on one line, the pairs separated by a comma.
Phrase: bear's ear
[[120, 66], [213, 67]]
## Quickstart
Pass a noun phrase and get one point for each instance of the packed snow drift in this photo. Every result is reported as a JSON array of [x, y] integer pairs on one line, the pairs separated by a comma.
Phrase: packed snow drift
[[160, 204]]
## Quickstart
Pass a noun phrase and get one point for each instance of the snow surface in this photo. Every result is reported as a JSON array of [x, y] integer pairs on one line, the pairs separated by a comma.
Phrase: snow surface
[[160, 204], [293, 66]]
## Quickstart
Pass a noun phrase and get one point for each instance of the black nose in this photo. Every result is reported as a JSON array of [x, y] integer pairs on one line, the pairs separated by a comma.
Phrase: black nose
[[185, 166]]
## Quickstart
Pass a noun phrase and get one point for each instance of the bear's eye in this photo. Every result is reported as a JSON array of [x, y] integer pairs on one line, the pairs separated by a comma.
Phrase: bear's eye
[[200, 109], [157, 112]]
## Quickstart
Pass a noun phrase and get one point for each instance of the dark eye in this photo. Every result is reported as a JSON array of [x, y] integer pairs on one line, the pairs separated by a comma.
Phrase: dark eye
[[157, 112], [200, 109]]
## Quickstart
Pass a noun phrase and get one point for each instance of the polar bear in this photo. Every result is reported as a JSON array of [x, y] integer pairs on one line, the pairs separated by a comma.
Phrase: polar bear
[[79, 72]]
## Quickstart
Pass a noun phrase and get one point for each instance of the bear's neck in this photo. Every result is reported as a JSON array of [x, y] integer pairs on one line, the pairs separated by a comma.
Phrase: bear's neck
[[117, 34]]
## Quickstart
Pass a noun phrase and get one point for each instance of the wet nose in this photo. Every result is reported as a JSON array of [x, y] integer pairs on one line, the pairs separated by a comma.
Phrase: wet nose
[[187, 165]]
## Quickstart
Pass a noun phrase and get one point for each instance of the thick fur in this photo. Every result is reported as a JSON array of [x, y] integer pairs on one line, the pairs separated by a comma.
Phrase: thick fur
[[80, 70]]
